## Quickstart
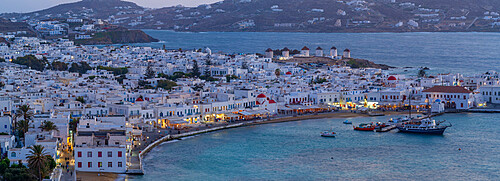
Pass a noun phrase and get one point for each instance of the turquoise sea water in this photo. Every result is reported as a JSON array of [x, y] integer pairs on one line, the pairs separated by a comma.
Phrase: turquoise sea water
[[466, 53], [295, 151]]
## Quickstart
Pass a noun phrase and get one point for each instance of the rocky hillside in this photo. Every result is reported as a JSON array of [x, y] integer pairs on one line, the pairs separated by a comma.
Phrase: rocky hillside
[[118, 37], [290, 15]]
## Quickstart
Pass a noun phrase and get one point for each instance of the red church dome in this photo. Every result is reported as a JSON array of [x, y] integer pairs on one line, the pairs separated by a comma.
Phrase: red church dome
[[261, 96], [288, 73], [392, 78]]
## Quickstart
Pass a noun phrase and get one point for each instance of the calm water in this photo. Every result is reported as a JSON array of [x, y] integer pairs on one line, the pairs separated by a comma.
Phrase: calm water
[[443, 52], [295, 151]]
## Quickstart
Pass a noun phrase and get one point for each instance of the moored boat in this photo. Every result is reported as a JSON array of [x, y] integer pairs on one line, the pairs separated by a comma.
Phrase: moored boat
[[364, 127], [347, 122], [328, 134], [424, 126]]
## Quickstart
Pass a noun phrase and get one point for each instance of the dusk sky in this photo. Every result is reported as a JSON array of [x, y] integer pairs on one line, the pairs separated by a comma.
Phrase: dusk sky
[[33, 5]]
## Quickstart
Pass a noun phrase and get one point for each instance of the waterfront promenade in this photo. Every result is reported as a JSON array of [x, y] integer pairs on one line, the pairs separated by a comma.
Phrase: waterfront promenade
[[159, 136]]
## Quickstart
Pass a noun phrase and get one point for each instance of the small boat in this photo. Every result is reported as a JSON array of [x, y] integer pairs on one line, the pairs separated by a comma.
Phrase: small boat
[[375, 114], [364, 127], [328, 134], [347, 122], [424, 126]]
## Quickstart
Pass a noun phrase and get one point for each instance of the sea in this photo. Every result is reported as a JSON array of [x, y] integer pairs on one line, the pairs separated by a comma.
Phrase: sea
[[466, 53], [469, 150]]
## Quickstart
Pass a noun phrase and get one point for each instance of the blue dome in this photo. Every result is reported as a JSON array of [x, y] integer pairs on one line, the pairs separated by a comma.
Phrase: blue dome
[[437, 100]]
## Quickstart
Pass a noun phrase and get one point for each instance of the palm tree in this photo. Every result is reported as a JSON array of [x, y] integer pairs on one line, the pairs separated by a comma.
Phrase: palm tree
[[25, 112], [37, 161], [23, 126], [48, 126]]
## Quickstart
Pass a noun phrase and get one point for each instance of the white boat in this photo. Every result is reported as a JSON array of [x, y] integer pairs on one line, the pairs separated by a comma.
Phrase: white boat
[[328, 134]]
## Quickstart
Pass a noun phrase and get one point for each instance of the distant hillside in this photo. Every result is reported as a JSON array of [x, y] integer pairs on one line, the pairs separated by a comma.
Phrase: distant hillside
[[7, 27], [290, 15], [92, 8], [118, 37]]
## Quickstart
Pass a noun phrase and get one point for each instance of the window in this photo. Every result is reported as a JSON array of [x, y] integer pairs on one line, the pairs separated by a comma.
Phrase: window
[[13, 154], [99, 154], [119, 154], [110, 154], [110, 164], [79, 164], [99, 164], [461, 104], [89, 154], [79, 154], [89, 164], [119, 164]]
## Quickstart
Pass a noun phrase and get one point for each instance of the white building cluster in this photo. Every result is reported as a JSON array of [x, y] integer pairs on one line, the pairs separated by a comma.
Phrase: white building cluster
[[115, 108]]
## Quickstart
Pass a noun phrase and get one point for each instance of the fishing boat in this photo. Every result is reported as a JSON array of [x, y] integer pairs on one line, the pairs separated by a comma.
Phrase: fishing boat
[[424, 126], [328, 134], [347, 122], [364, 127]]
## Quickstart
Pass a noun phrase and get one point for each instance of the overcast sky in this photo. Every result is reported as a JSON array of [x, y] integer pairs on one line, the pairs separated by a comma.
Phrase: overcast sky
[[33, 5]]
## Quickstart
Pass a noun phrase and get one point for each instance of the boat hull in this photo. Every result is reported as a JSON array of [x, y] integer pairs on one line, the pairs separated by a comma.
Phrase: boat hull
[[364, 129], [434, 131]]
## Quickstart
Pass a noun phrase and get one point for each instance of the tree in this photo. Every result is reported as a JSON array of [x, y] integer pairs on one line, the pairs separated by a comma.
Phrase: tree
[[80, 99], [166, 84], [61, 66], [31, 61], [25, 112], [81, 68], [38, 160], [48, 126], [277, 72], [23, 126], [149, 72], [208, 62], [422, 73], [16, 174], [196, 69]]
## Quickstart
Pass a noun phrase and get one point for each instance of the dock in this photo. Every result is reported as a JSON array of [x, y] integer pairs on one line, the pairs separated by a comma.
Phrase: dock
[[386, 129]]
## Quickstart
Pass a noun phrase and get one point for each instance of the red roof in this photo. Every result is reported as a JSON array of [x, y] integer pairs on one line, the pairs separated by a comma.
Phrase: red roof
[[286, 49], [448, 89], [272, 101], [269, 50], [319, 48], [288, 73], [139, 99], [305, 48], [347, 50], [261, 96], [392, 78]]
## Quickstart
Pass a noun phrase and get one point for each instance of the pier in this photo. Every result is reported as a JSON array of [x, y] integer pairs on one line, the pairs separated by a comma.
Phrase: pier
[[386, 129]]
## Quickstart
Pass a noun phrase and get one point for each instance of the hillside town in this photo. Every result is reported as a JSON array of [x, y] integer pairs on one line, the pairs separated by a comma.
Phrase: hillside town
[[94, 109], [273, 15]]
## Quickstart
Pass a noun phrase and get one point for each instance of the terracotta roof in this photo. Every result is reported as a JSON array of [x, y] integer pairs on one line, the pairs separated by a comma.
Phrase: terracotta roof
[[447, 89]]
